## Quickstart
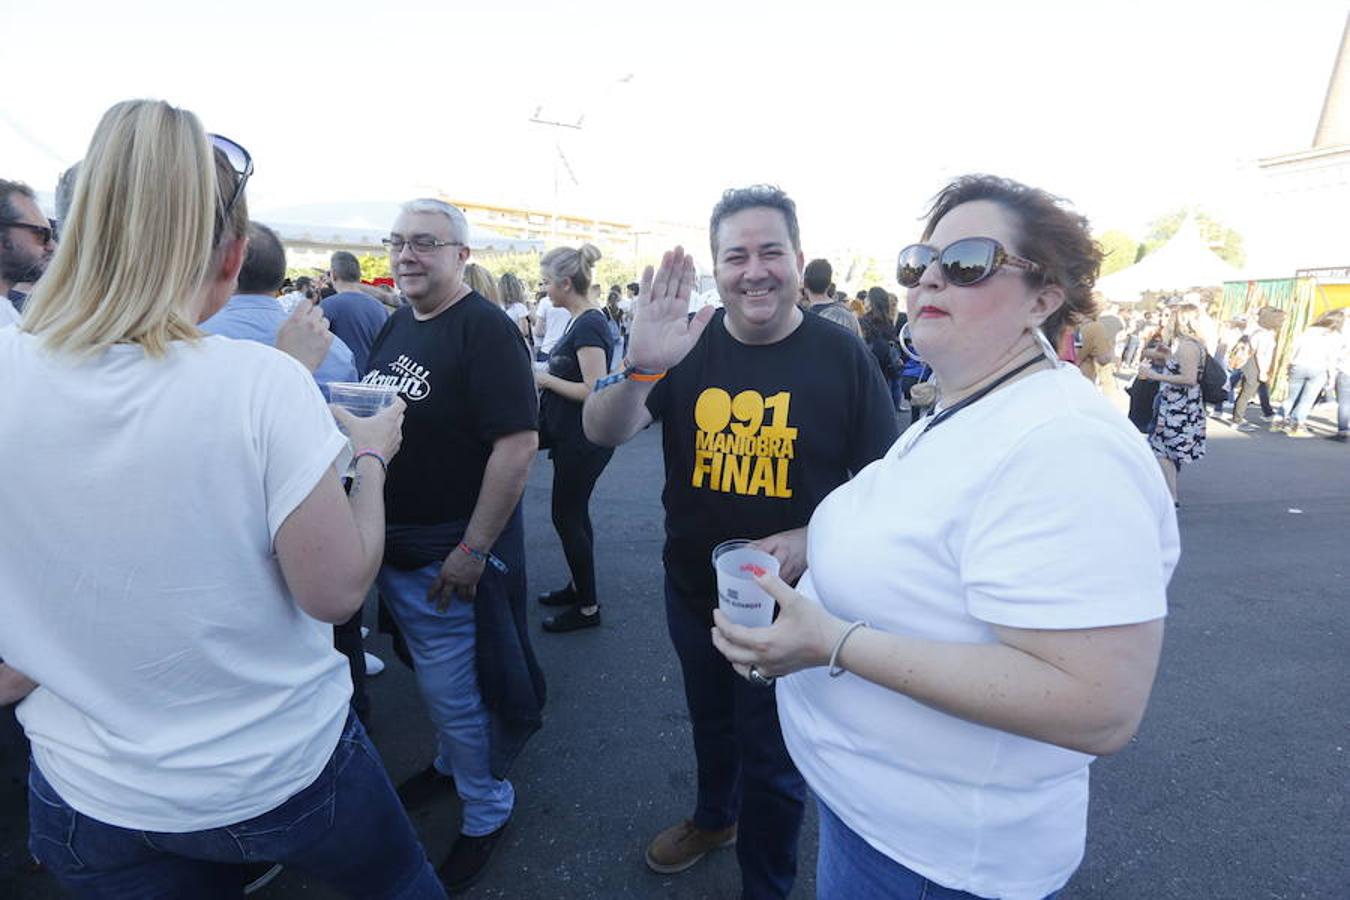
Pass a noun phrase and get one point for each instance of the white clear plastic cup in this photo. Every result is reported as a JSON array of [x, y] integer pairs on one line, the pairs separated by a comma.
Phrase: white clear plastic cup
[[361, 399], [738, 596]]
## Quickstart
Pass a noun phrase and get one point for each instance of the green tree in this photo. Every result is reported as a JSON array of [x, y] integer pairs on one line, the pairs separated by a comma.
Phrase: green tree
[[1226, 242], [374, 266], [524, 265], [1119, 248]]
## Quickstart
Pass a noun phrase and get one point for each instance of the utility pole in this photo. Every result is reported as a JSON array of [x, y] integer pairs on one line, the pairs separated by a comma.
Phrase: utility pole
[[557, 154]]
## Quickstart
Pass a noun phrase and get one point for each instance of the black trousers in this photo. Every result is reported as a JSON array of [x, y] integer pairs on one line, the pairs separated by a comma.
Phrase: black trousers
[[575, 473], [347, 640]]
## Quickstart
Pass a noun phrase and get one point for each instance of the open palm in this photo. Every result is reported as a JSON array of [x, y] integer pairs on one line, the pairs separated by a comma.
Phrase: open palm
[[662, 332]]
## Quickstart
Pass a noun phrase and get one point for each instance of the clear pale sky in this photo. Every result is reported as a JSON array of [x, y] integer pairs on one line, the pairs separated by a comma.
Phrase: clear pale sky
[[860, 110]]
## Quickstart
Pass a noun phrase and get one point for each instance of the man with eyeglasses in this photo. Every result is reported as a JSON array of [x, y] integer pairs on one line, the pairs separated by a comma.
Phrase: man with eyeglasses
[[27, 242], [453, 577]]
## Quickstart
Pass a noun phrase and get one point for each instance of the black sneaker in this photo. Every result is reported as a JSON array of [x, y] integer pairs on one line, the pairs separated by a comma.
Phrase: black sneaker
[[424, 787], [467, 859], [562, 597], [571, 620]]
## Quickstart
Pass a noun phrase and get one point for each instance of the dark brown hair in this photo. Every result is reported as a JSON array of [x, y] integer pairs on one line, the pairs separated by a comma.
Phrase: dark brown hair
[[1049, 233]]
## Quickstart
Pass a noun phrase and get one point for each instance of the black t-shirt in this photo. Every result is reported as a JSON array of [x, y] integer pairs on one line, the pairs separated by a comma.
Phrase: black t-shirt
[[559, 417], [467, 379], [755, 436]]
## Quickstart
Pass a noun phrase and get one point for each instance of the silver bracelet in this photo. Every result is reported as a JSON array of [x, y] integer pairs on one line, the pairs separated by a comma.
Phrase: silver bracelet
[[835, 669]]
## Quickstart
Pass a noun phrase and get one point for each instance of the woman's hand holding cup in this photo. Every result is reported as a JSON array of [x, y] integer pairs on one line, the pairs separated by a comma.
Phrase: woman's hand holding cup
[[382, 432]]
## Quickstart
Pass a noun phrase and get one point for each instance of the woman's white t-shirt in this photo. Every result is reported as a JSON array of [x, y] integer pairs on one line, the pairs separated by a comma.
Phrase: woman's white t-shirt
[[517, 312], [1038, 507], [556, 320], [182, 688]]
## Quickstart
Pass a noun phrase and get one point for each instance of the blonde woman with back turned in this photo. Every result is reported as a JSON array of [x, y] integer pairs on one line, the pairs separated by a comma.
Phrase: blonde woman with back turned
[[583, 354], [166, 603]]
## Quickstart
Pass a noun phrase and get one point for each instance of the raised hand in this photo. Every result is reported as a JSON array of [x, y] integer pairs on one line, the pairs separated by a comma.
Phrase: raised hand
[[662, 332]]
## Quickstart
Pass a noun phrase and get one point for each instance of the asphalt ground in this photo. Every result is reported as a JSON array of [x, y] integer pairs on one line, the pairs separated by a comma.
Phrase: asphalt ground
[[1235, 786]]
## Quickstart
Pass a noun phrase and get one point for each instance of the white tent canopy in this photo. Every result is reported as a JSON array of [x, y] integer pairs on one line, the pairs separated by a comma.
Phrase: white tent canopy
[[1183, 262]]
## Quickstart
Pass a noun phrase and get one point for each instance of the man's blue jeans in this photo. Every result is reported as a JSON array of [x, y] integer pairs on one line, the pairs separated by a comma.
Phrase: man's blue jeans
[[849, 868], [442, 645], [1304, 386], [346, 829], [744, 771]]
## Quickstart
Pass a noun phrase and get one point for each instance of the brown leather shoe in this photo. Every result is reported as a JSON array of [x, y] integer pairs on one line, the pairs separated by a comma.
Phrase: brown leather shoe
[[680, 846]]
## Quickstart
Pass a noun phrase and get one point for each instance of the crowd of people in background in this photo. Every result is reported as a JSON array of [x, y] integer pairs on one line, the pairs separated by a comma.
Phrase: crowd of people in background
[[215, 702]]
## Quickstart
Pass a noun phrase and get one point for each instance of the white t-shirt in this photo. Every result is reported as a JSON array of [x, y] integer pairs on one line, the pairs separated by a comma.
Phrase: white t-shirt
[[182, 688], [517, 311], [1037, 507], [8, 314], [556, 320], [1317, 348]]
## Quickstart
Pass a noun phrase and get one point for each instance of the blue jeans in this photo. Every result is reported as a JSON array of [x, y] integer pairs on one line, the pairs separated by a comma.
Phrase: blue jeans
[[346, 829], [849, 868], [442, 645], [744, 771], [1304, 386]]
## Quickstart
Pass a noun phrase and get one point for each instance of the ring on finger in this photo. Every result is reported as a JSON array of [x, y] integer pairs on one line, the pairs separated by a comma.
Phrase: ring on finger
[[759, 678]]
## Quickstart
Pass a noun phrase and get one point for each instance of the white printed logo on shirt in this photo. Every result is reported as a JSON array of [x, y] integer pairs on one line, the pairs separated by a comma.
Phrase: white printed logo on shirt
[[412, 380]]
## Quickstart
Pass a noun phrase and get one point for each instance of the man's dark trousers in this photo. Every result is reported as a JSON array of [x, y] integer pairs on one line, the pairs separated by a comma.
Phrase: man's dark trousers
[[744, 772]]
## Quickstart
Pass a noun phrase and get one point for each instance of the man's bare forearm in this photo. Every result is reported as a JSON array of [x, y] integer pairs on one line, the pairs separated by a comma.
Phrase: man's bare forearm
[[503, 483], [14, 685], [614, 414]]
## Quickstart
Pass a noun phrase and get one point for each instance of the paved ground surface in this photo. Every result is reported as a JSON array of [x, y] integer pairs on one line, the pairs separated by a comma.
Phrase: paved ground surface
[[1235, 787]]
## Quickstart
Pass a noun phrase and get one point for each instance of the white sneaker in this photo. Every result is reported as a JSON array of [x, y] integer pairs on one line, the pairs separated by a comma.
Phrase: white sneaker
[[374, 665]]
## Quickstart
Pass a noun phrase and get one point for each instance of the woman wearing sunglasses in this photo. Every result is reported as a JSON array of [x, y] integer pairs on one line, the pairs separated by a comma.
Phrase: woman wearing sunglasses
[[166, 587], [944, 707]]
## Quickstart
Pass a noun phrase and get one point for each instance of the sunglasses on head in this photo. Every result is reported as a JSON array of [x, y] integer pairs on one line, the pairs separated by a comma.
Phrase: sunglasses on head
[[239, 160], [963, 263]]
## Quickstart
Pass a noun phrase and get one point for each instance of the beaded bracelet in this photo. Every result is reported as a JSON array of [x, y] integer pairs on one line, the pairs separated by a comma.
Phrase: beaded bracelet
[[835, 669], [373, 454]]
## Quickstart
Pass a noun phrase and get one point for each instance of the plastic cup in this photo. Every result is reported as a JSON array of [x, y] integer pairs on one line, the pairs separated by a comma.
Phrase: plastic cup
[[738, 596], [359, 399]]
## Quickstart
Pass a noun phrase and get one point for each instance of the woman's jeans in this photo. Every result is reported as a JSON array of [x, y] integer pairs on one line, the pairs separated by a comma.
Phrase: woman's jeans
[[849, 868], [575, 473], [1305, 384], [347, 829]]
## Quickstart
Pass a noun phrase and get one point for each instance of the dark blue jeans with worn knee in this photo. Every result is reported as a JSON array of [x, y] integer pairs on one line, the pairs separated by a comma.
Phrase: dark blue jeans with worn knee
[[744, 772], [346, 829]]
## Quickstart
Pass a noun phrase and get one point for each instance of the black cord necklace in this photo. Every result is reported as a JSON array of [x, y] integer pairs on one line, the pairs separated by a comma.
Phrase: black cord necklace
[[935, 419]]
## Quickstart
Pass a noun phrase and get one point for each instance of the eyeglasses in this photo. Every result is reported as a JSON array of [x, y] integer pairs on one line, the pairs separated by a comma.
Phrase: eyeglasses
[[44, 233], [239, 160], [419, 244], [963, 263]]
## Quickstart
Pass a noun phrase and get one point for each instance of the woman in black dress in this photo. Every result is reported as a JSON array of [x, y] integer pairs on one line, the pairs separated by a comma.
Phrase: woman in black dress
[[582, 356]]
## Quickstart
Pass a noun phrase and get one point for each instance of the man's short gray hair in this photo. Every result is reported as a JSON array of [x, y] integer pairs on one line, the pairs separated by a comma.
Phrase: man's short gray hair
[[459, 226]]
